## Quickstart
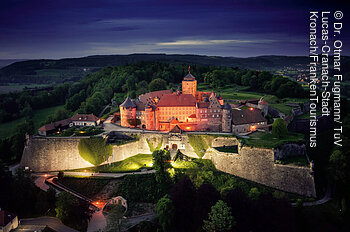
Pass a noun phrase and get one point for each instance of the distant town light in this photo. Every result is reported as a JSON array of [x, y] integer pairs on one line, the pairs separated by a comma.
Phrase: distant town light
[[251, 108]]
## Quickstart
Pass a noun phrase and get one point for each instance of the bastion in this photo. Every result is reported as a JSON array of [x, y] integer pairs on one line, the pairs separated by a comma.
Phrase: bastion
[[255, 164]]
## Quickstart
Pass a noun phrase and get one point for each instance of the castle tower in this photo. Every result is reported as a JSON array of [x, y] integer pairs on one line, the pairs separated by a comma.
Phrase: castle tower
[[189, 84], [127, 112], [149, 115], [226, 118], [263, 106]]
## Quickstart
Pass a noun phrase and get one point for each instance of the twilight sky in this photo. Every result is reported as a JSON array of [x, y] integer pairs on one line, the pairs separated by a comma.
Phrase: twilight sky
[[74, 28]]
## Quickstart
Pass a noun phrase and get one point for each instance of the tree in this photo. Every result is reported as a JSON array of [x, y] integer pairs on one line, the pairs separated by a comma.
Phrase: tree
[[165, 212], [157, 84], [183, 198], [279, 128], [161, 163], [114, 218], [338, 166], [254, 194], [206, 197], [65, 206], [220, 218], [60, 175]]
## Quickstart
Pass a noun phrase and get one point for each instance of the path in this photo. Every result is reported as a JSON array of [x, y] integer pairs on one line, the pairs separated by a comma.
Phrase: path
[[52, 222], [98, 220], [133, 221], [327, 197], [104, 109]]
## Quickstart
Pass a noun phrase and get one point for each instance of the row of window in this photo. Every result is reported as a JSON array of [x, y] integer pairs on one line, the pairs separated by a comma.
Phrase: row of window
[[207, 116], [211, 111]]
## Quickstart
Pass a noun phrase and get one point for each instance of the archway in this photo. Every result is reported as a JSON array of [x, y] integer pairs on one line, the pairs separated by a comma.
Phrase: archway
[[174, 147]]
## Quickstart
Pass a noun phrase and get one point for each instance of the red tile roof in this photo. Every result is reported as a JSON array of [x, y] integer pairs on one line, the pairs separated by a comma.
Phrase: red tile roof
[[263, 102], [6, 217], [247, 116], [85, 118], [55, 125], [151, 95], [169, 100]]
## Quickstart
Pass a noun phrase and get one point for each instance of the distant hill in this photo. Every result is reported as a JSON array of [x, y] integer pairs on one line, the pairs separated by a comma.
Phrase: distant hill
[[48, 71], [6, 62]]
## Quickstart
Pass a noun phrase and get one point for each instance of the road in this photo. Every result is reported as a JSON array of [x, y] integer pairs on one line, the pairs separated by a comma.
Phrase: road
[[52, 222]]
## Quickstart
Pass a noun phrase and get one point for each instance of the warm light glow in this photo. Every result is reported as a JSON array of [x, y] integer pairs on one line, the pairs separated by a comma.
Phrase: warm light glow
[[45, 175], [253, 128], [81, 132], [251, 108], [85, 170], [188, 128]]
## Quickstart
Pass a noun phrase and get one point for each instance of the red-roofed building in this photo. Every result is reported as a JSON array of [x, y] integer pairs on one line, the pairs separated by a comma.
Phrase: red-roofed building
[[76, 120], [8, 221], [85, 120], [189, 110], [247, 120]]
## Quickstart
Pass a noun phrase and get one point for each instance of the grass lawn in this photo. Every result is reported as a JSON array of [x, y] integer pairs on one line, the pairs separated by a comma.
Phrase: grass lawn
[[133, 163], [282, 107], [40, 116], [231, 92], [268, 140]]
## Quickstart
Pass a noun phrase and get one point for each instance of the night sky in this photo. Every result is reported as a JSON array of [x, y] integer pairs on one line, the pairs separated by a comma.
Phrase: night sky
[[74, 28]]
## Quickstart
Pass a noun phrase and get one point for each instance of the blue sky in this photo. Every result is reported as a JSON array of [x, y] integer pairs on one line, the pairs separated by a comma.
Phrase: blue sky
[[75, 28]]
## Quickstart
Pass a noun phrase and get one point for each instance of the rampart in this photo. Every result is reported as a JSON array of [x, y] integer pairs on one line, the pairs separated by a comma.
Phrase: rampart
[[255, 164]]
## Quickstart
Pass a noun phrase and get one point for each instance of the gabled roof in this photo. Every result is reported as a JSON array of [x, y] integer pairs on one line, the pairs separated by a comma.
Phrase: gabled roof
[[85, 118], [189, 77], [55, 125], [173, 120], [6, 217], [128, 103], [151, 95], [175, 129], [247, 116], [169, 100]]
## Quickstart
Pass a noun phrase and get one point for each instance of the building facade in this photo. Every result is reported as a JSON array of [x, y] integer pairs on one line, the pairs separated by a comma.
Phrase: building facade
[[189, 109]]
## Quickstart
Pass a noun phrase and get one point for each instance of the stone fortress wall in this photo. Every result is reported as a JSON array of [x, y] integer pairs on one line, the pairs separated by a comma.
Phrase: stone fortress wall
[[255, 164]]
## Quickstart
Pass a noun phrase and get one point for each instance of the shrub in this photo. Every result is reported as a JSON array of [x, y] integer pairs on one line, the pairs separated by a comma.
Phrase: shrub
[[94, 150], [220, 218], [279, 128]]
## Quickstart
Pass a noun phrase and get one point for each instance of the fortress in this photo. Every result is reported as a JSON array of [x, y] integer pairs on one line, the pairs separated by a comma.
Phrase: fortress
[[189, 110], [255, 164], [186, 111]]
